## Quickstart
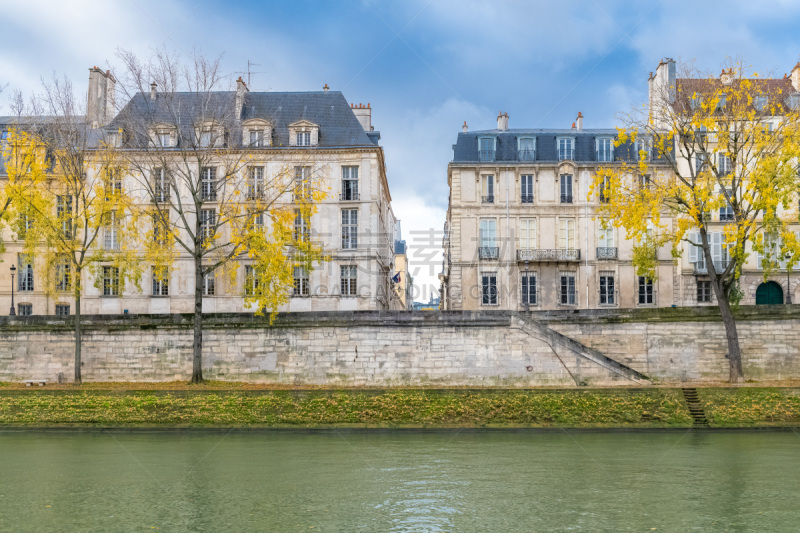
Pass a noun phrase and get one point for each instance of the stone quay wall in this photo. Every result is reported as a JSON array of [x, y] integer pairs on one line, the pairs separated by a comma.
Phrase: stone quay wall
[[384, 349]]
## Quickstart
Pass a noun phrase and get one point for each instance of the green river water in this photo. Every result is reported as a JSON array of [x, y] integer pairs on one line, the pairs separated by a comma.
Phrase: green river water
[[400, 481]]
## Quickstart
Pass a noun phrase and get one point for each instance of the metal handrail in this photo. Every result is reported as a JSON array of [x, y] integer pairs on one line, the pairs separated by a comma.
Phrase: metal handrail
[[349, 196], [487, 199], [486, 155], [488, 252], [565, 153], [606, 252], [566, 198], [526, 198], [526, 155], [539, 254]]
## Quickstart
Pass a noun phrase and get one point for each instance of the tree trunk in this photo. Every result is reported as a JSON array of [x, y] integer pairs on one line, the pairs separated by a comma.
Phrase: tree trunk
[[734, 352], [77, 326], [197, 344]]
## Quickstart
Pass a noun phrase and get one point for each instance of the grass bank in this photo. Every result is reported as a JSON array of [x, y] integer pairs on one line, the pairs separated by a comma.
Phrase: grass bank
[[396, 408], [751, 406]]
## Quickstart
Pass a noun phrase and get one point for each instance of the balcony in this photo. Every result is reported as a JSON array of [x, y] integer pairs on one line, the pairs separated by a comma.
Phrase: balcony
[[489, 252], [566, 198], [702, 268], [526, 155], [606, 252], [526, 198], [486, 155], [542, 255], [487, 199], [565, 154], [726, 215], [604, 156], [348, 196]]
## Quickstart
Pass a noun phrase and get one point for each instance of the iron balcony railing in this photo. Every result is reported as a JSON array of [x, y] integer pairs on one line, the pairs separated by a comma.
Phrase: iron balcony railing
[[348, 196], [566, 198], [487, 199], [526, 198], [539, 254], [488, 252], [702, 268], [605, 252], [487, 155], [603, 156], [565, 153], [726, 216], [526, 155]]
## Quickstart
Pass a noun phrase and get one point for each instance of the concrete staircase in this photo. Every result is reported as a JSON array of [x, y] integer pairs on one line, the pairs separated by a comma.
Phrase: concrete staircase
[[695, 407]]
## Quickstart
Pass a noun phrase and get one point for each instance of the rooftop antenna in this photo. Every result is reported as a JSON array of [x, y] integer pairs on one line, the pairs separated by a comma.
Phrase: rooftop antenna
[[249, 72]]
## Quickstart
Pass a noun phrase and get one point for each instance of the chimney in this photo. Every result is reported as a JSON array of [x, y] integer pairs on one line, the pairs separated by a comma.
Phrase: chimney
[[325, 87], [100, 108], [153, 90], [796, 77], [665, 80], [464, 127], [502, 121], [241, 90], [579, 121], [364, 115]]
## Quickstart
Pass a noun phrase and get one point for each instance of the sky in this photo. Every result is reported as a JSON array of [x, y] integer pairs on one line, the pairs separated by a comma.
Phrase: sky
[[425, 66]]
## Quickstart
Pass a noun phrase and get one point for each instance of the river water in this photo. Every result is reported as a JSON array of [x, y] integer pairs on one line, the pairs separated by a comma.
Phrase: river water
[[400, 481]]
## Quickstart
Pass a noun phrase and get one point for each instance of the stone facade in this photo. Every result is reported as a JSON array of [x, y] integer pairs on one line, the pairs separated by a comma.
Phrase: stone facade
[[381, 349]]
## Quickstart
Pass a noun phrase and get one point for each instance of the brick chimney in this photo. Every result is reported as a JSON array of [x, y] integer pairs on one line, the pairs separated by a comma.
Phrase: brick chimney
[[153, 90], [241, 90], [464, 128], [100, 108], [364, 115], [502, 121]]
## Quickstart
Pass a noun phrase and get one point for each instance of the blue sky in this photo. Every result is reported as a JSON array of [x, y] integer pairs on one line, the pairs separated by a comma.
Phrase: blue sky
[[424, 66]]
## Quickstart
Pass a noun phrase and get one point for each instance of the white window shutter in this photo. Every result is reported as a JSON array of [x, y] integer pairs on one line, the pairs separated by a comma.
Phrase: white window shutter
[[693, 250], [716, 246]]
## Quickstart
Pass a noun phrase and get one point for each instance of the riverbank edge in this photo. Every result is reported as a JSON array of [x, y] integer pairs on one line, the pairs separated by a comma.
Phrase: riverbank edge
[[603, 409]]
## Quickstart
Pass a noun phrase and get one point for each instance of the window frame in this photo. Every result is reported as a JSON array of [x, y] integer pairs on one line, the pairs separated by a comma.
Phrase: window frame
[[526, 197], [111, 285], [349, 183], [348, 280], [526, 154], [489, 293], [529, 289], [349, 218], [566, 182], [607, 150], [486, 154], [160, 285], [567, 151], [645, 291], [607, 288]]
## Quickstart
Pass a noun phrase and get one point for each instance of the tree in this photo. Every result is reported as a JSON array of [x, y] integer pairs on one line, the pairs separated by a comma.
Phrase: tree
[[212, 196], [72, 211], [713, 166]]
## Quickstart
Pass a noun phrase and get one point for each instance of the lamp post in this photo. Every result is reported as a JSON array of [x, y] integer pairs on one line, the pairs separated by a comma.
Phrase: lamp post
[[527, 289], [12, 312], [788, 281]]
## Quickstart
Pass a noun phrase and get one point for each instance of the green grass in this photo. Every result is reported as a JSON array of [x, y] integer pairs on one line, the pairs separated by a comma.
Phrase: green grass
[[407, 408], [751, 406]]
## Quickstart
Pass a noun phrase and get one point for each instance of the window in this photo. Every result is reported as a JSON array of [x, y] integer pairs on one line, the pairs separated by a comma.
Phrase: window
[[605, 190], [160, 232], [160, 281], [111, 232], [761, 102], [113, 184], [64, 214], [303, 138], [208, 184], [726, 211], [644, 182], [645, 290], [700, 162], [209, 284], [528, 282], [488, 234], [3, 135], [24, 309], [567, 286], [486, 148], [110, 281], [703, 291], [302, 183], [160, 185], [208, 221], [347, 281], [696, 101], [252, 280], [724, 166], [489, 288], [527, 234], [487, 189], [526, 189], [164, 139], [255, 183], [258, 223], [565, 148], [605, 236], [566, 233], [607, 288], [301, 226], [566, 188], [526, 150], [300, 281], [256, 138], [24, 225], [642, 150], [25, 280], [206, 138], [605, 150], [62, 309], [723, 100], [63, 274], [349, 183], [349, 229]]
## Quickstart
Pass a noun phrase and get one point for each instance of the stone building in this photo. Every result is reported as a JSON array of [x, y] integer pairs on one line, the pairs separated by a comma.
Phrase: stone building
[[521, 232], [291, 132]]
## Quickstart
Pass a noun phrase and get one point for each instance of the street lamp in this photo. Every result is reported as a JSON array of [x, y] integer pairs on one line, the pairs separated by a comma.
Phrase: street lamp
[[527, 289], [788, 280], [12, 312]]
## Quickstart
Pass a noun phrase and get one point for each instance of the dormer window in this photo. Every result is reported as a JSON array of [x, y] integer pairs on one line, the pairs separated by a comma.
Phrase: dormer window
[[206, 139], [303, 133], [114, 139], [696, 101], [566, 148], [209, 134], [642, 150], [605, 149], [164, 139], [794, 101], [526, 149], [3, 135], [486, 148], [723, 100], [163, 136], [256, 133], [761, 102]]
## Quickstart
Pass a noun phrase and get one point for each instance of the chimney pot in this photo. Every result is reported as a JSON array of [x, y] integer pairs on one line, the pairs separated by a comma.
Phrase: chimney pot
[[579, 121], [573, 125], [464, 127], [153, 90], [502, 121], [325, 87]]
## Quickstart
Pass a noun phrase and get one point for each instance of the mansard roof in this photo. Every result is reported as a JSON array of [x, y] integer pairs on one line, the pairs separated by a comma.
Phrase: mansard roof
[[338, 125]]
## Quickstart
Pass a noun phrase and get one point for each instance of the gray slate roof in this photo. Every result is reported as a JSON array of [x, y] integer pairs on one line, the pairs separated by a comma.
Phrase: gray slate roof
[[466, 148], [338, 125]]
